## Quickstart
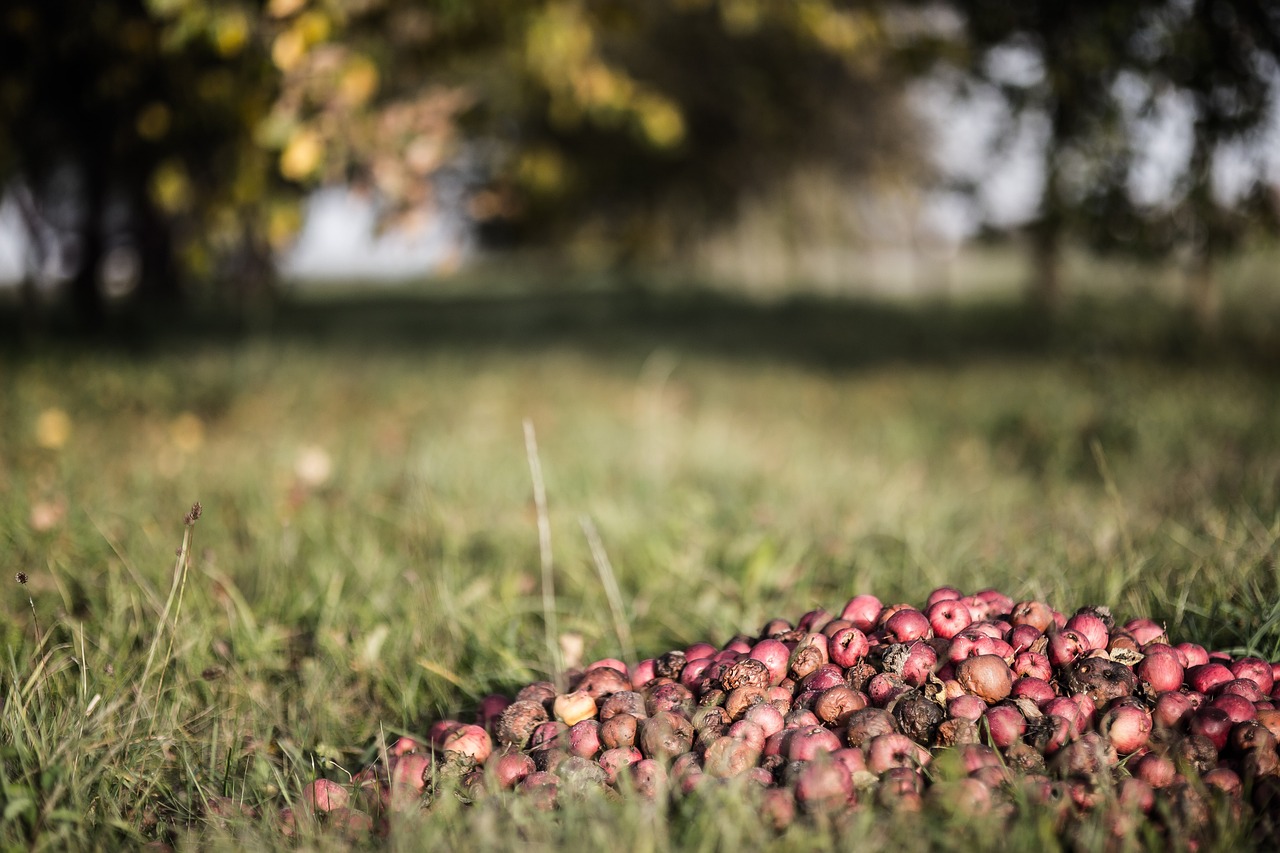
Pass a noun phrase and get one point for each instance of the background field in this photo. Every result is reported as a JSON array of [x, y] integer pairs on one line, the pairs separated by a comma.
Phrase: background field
[[367, 560]]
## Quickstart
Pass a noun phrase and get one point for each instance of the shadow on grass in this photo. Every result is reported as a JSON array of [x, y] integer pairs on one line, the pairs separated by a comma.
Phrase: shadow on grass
[[819, 332]]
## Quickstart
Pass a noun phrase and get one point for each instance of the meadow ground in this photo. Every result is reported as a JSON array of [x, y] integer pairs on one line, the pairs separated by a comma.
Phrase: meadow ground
[[368, 561]]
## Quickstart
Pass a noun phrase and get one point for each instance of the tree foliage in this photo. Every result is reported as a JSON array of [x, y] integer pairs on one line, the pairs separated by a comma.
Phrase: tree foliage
[[1099, 71], [190, 129]]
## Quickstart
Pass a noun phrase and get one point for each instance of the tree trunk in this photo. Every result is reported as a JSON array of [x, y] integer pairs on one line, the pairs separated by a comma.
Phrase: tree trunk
[[159, 285], [1046, 236], [1204, 298], [1046, 277], [86, 290], [37, 254]]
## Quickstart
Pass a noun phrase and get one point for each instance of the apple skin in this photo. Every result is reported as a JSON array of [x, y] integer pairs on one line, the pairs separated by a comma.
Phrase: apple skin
[[943, 593], [1128, 726], [470, 740], [1034, 613], [1162, 671], [862, 611], [1156, 770], [966, 707], [1195, 654], [808, 743], [906, 626], [1065, 646], [1256, 670], [848, 646], [887, 751], [948, 617], [1213, 723], [1033, 665], [775, 656], [919, 665], [1021, 637], [1207, 677], [1038, 690], [1236, 707], [1005, 725]]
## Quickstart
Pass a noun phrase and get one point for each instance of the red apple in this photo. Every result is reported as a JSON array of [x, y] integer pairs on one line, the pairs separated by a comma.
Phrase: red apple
[[642, 674], [1032, 665], [775, 655], [948, 617], [905, 626], [1065, 646], [470, 740], [966, 707], [1245, 687], [1173, 709], [1237, 707], [1091, 627], [325, 795], [766, 716], [863, 611], [824, 785], [1145, 631], [988, 628], [847, 646], [509, 768], [1128, 726], [1156, 770], [943, 593], [1207, 677], [892, 750], [998, 604], [1256, 670], [1213, 723], [1038, 690], [919, 665], [1021, 637], [1034, 613], [884, 687], [807, 743], [1162, 671], [1195, 654], [1005, 724]]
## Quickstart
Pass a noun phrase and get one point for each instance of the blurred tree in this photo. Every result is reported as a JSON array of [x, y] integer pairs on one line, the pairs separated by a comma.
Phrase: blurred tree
[[623, 128], [1056, 64], [190, 127], [1088, 75], [1222, 58], [127, 135]]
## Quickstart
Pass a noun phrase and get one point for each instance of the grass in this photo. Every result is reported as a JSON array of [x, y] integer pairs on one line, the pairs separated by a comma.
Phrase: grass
[[368, 559]]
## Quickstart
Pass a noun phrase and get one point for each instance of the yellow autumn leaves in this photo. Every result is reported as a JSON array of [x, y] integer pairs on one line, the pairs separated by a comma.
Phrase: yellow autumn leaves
[[53, 429], [561, 50]]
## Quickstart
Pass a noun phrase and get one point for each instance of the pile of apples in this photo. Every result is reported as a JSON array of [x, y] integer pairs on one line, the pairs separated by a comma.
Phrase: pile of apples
[[974, 702]]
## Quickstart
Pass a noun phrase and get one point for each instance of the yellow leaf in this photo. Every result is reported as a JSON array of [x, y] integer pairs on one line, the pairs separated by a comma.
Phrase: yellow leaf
[[314, 26], [288, 49], [284, 8], [542, 170], [301, 157], [187, 432], [170, 187], [53, 428], [283, 223], [740, 16], [358, 82], [230, 33], [660, 121], [153, 122]]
